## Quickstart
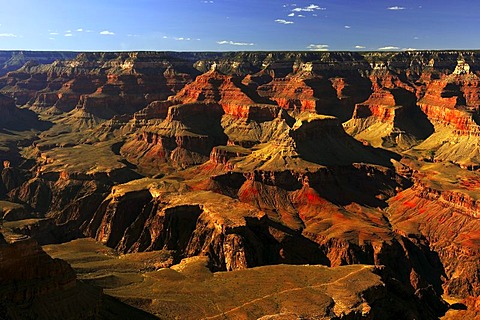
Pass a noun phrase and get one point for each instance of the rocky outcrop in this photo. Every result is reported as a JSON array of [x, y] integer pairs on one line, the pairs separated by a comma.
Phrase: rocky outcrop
[[13, 118], [103, 85], [252, 163], [444, 102], [389, 119], [30, 280], [12, 60], [179, 140], [447, 218], [234, 235]]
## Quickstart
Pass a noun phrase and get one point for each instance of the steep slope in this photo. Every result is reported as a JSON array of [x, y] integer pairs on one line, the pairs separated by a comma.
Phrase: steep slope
[[248, 163], [389, 117], [100, 84], [451, 104], [442, 206], [30, 280], [192, 125]]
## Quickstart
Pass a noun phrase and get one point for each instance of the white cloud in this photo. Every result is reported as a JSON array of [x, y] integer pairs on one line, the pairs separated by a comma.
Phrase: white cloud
[[291, 14], [107, 33], [359, 47], [165, 37], [68, 35], [318, 47], [315, 7], [301, 16], [416, 38], [347, 27], [182, 39], [409, 49], [396, 8], [51, 38], [309, 8], [207, 1], [387, 48], [282, 21], [236, 43], [8, 35], [53, 33], [79, 30], [89, 31]]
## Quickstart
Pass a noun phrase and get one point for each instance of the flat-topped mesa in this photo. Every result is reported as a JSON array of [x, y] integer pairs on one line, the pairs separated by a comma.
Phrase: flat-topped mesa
[[234, 235], [222, 154], [313, 126], [322, 140], [314, 141], [188, 111]]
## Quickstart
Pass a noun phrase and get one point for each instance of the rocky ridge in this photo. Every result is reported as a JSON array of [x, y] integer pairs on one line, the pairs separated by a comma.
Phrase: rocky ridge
[[248, 150]]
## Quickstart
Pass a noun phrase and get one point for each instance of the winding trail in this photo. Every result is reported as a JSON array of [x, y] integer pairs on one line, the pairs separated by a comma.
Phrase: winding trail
[[225, 313]]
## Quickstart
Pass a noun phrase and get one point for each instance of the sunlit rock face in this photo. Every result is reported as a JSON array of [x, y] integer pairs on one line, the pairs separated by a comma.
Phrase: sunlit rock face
[[241, 163]]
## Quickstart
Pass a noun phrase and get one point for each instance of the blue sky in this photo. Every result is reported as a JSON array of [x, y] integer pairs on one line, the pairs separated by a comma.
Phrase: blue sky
[[232, 25]]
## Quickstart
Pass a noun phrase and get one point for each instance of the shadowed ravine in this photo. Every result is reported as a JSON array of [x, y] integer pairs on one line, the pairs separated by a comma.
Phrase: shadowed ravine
[[284, 185]]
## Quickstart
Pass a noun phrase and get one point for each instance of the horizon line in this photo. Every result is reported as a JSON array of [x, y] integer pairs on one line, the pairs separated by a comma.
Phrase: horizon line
[[236, 51]]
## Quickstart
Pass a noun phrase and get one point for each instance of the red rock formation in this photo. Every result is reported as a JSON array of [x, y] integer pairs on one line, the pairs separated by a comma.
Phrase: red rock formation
[[273, 185], [453, 100], [290, 93], [447, 218], [228, 91], [182, 226]]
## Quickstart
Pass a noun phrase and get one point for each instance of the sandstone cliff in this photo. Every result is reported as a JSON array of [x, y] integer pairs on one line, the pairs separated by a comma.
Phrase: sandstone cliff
[[254, 159]]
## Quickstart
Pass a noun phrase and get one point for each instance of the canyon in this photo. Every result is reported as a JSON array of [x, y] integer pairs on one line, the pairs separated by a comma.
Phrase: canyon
[[282, 185]]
